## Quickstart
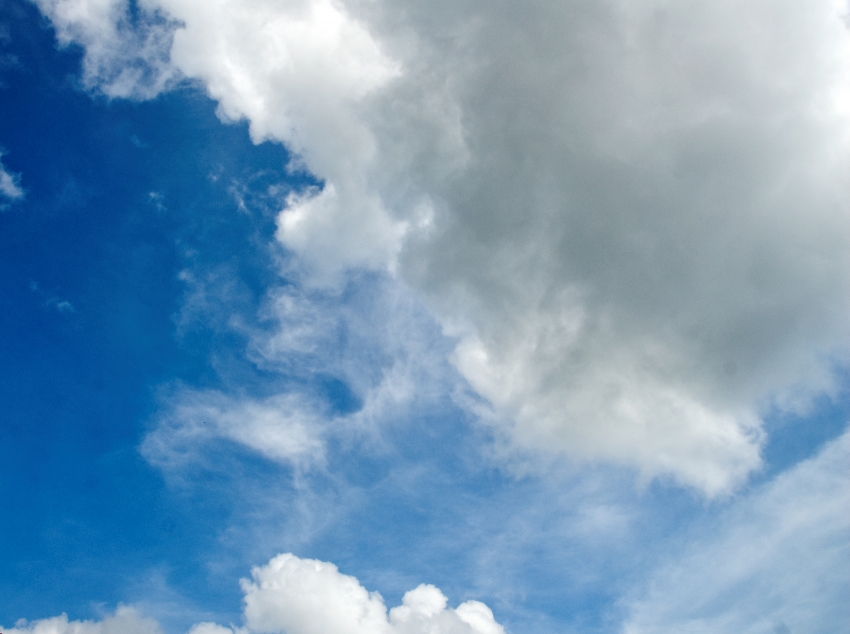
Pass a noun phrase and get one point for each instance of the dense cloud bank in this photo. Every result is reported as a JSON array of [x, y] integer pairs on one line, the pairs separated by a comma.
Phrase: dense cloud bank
[[633, 217]]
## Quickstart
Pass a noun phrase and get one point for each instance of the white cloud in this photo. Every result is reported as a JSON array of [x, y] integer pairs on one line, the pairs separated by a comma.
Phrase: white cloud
[[124, 58], [62, 306], [281, 428], [371, 335], [10, 183], [210, 628], [776, 562], [633, 217], [298, 71], [126, 620], [305, 596]]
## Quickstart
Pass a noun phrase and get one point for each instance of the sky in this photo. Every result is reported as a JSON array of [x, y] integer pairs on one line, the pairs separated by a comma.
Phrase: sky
[[424, 317]]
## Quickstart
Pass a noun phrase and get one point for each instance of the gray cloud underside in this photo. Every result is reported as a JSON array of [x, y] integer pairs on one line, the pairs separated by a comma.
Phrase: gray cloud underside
[[633, 218]]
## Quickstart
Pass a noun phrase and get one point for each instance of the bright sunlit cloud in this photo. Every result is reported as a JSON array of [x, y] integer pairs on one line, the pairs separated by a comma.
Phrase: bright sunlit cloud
[[303, 596]]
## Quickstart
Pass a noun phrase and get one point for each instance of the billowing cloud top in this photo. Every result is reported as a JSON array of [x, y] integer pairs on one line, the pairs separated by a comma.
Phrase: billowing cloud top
[[632, 216], [305, 596]]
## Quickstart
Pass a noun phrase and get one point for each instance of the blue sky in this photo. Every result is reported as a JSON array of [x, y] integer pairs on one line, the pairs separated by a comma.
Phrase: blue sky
[[528, 317]]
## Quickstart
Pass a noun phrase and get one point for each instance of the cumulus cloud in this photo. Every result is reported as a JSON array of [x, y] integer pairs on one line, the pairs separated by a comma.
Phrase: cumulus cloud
[[776, 562], [305, 596], [126, 620], [632, 217]]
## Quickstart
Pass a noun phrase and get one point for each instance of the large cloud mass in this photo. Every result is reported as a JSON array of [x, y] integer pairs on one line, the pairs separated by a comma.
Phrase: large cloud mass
[[633, 216]]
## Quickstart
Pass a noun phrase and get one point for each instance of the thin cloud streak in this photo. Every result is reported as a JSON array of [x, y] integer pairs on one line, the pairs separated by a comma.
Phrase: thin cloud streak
[[776, 561], [10, 183]]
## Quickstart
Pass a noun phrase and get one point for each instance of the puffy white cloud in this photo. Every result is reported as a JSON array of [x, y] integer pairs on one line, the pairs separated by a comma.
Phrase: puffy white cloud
[[297, 71], [126, 620], [633, 217], [9, 183], [305, 596], [776, 562]]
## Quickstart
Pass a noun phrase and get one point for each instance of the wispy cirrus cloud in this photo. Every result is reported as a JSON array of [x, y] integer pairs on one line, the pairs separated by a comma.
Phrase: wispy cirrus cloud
[[280, 428], [776, 561], [124, 57], [10, 185], [336, 364]]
